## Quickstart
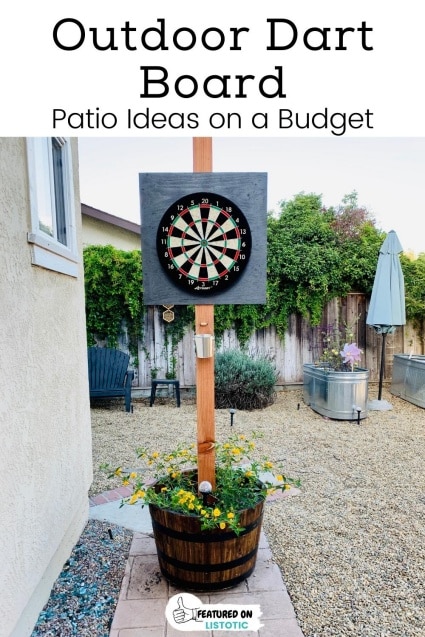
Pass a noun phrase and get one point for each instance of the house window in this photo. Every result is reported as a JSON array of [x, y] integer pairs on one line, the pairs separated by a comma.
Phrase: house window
[[52, 236]]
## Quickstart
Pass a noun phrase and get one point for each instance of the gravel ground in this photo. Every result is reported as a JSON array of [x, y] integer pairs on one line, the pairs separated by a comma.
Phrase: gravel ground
[[351, 545], [83, 600]]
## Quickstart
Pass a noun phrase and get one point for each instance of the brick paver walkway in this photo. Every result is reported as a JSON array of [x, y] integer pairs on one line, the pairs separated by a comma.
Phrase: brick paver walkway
[[144, 595]]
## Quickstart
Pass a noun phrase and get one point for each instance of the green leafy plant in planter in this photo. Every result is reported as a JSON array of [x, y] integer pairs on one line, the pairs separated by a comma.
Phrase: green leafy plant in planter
[[242, 481], [206, 538]]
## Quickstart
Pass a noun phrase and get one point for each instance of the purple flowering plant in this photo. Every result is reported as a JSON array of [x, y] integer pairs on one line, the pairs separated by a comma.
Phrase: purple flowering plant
[[351, 354], [339, 352]]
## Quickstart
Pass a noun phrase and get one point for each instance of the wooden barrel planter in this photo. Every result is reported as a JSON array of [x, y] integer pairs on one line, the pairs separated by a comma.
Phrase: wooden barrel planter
[[205, 560]]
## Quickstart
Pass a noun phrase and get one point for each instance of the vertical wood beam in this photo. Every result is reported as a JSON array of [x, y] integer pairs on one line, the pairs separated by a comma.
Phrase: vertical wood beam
[[204, 324], [202, 154]]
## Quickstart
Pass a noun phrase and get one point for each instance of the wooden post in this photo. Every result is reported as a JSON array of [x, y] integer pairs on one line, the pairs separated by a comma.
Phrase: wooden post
[[204, 324]]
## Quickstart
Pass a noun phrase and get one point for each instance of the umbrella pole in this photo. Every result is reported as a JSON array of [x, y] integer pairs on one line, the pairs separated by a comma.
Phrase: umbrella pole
[[381, 372]]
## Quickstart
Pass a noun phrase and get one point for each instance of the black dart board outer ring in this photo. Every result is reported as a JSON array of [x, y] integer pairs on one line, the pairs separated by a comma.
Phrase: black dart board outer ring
[[204, 243]]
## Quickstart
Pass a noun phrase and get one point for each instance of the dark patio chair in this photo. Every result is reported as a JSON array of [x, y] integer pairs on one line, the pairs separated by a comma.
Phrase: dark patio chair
[[109, 376]]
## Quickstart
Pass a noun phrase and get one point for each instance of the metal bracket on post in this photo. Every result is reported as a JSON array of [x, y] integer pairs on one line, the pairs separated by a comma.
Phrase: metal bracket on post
[[204, 345]]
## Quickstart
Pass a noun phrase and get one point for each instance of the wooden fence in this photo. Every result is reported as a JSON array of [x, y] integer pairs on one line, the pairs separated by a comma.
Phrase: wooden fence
[[302, 344]]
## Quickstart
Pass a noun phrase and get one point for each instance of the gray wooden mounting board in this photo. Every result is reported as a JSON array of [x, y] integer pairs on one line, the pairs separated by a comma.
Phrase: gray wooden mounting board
[[158, 191]]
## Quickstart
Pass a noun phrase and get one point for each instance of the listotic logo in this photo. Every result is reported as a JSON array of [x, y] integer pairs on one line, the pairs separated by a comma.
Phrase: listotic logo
[[186, 612]]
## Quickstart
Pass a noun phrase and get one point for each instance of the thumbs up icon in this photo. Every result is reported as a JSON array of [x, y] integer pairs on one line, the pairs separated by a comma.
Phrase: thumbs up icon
[[183, 614]]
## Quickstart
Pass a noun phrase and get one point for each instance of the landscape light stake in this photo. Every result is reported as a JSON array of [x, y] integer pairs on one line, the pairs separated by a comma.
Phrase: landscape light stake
[[205, 489]]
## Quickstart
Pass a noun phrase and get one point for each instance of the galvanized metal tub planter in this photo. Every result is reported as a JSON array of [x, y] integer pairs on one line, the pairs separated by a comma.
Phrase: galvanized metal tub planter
[[338, 395], [408, 381], [205, 560]]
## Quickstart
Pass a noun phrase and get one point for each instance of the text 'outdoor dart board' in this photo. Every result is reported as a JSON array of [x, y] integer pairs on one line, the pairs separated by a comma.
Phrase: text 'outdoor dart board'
[[203, 237]]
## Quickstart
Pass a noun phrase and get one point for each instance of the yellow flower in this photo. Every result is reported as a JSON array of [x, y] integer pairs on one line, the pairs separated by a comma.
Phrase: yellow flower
[[203, 512], [155, 454], [125, 483], [230, 515], [136, 496], [249, 474], [164, 489], [222, 525], [279, 478], [268, 465], [216, 512], [133, 475], [236, 451], [118, 471]]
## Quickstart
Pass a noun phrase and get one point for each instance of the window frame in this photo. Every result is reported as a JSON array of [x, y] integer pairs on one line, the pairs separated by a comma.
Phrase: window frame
[[46, 250]]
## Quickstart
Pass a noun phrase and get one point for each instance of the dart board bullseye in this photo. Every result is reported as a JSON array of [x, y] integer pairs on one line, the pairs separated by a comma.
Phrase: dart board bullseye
[[203, 243]]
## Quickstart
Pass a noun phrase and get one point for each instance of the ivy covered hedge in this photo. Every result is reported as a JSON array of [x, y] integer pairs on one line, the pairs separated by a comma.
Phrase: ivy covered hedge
[[114, 293], [414, 283], [315, 254]]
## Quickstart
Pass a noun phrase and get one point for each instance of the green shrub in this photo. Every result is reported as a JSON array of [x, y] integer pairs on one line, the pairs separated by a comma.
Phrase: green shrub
[[243, 382], [114, 294]]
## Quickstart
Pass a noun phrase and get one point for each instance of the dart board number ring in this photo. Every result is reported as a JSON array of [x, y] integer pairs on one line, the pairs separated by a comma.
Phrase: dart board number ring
[[203, 243]]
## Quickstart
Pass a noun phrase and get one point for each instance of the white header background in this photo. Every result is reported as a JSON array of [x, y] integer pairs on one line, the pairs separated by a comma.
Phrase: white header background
[[38, 77]]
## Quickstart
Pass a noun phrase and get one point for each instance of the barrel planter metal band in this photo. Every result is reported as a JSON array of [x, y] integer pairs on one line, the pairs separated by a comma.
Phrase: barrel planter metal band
[[205, 560]]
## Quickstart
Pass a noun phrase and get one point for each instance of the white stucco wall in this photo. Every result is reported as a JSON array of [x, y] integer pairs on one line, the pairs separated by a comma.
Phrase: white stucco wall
[[97, 232], [45, 444]]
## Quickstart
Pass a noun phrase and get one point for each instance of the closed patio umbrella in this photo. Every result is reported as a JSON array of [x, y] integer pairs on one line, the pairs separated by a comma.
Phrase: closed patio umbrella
[[387, 303]]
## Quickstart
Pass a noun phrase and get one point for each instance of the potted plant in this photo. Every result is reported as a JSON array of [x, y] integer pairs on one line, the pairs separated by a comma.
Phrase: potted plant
[[206, 539], [335, 385]]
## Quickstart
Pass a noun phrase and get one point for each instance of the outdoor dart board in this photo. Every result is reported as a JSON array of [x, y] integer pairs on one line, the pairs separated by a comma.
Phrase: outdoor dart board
[[203, 237], [203, 243]]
